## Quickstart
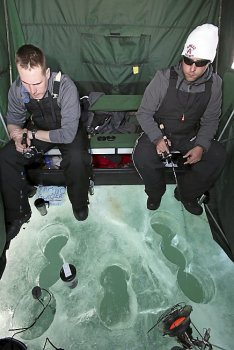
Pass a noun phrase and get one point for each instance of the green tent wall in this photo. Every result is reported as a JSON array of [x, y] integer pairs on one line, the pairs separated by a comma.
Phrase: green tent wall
[[99, 42], [221, 204]]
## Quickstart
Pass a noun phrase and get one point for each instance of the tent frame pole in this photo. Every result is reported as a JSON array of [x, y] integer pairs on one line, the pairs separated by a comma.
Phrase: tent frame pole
[[216, 223], [5, 128], [226, 125]]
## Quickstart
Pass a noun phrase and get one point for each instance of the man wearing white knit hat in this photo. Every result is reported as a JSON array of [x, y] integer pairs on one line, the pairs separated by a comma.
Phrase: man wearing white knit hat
[[202, 42], [186, 100]]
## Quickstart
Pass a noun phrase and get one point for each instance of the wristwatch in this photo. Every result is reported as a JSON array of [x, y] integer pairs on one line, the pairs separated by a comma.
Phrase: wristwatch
[[34, 131]]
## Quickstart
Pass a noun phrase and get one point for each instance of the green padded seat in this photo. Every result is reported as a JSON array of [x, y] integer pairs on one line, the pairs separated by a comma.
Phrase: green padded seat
[[116, 103]]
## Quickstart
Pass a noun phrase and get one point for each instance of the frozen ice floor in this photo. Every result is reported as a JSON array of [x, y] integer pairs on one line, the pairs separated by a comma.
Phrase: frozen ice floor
[[132, 265]]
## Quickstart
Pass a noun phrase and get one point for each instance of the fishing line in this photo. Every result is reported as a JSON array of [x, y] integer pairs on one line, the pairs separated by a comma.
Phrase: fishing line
[[167, 157]]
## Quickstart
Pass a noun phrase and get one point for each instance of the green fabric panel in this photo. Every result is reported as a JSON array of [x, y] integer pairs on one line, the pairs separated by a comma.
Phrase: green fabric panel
[[228, 99], [228, 87], [226, 46], [16, 36], [117, 103], [4, 72], [117, 49], [3, 107], [4, 62], [4, 84], [2, 227], [222, 205], [99, 41], [3, 41]]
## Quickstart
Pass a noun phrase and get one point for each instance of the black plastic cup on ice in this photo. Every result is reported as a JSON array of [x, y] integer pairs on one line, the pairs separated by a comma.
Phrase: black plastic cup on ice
[[40, 204]]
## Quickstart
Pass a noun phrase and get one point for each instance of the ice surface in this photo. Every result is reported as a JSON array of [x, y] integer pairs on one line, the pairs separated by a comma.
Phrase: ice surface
[[132, 264]]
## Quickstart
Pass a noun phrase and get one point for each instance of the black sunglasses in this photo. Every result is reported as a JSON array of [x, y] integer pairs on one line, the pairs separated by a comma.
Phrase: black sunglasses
[[190, 62]]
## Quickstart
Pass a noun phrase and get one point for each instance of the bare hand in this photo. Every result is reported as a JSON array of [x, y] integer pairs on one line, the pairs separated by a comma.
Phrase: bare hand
[[162, 146], [17, 136], [194, 155]]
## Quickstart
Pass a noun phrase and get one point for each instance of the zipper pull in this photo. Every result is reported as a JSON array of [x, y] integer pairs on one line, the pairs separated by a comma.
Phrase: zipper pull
[[183, 118]]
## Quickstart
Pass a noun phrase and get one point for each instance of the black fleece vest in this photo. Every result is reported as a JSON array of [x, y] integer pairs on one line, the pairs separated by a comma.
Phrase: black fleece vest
[[45, 113], [180, 112]]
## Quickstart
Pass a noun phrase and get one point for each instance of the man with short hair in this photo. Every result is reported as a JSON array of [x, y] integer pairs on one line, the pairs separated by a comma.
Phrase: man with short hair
[[52, 102], [180, 111]]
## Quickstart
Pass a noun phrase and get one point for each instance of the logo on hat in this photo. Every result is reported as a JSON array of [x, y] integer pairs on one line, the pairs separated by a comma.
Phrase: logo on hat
[[190, 49]]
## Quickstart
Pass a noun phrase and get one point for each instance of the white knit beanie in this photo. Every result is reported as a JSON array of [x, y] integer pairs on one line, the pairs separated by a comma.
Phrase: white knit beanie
[[202, 42]]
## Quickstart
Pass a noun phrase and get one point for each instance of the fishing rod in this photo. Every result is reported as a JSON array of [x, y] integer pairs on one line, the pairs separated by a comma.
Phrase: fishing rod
[[167, 156]]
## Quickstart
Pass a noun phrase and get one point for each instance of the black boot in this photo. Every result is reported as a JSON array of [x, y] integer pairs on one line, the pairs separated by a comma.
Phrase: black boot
[[81, 213], [2, 263], [13, 227], [3, 259], [191, 206], [153, 204]]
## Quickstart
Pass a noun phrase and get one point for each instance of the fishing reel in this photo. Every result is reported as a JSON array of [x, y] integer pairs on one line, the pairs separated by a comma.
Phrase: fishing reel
[[31, 151], [172, 159], [166, 156], [176, 322]]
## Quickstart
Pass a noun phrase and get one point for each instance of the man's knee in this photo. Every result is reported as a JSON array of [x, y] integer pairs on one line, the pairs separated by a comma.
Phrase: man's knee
[[76, 159], [138, 157]]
